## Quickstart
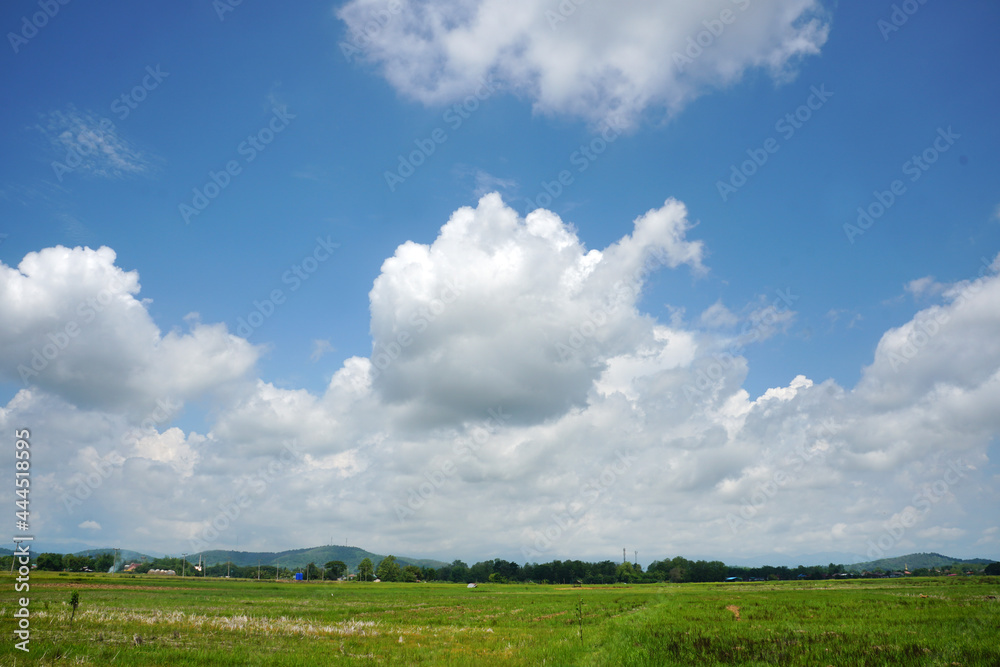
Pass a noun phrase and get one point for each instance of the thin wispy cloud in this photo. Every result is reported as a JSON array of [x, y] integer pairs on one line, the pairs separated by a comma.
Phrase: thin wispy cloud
[[320, 348], [85, 142]]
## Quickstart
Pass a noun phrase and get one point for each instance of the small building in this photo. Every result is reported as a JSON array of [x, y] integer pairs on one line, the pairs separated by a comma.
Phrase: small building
[[472, 586], [734, 578]]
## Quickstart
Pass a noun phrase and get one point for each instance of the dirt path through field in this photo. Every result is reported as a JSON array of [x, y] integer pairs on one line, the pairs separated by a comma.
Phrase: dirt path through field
[[114, 587]]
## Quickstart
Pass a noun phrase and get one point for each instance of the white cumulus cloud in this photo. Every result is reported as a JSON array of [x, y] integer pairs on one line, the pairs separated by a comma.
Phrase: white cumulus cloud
[[589, 59], [517, 404]]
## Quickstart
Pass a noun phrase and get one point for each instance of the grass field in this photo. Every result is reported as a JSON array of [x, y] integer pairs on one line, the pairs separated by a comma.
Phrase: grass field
[[146, 620]]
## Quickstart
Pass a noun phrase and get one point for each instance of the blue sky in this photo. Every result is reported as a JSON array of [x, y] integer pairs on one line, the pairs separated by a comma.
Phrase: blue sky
[[215, 85]]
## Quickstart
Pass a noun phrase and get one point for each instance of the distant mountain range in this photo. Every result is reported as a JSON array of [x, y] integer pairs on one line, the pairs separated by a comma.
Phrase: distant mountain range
[[915, 561], [778, 560], [293, 558], [351, 556]]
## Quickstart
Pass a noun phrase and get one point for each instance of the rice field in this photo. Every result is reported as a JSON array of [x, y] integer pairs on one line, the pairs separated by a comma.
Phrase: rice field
[[149, 620]]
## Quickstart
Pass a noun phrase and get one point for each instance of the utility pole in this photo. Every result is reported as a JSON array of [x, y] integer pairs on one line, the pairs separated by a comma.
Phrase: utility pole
[[636, 558], [623, 556], [258, 569], [184, 563]]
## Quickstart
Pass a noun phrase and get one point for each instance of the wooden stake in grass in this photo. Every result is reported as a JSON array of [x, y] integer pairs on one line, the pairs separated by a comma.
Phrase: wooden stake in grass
[[74, 601], [579, 611]]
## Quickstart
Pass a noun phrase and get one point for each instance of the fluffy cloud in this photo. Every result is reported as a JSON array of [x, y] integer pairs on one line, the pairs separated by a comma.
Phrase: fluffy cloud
[[70, 323], [507, 312], [589, 59], [517, 403]]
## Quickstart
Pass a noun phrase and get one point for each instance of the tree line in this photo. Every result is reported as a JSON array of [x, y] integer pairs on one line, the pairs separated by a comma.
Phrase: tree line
[[675, 570]]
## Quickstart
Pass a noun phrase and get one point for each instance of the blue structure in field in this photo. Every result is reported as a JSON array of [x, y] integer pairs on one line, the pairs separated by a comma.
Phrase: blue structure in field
[[298, 576]]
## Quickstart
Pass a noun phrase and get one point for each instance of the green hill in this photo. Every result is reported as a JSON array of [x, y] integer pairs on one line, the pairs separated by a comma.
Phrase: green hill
[[294, 558], [915, 561]]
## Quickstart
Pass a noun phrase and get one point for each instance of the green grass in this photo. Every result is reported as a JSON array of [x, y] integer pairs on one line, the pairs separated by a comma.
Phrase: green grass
[[147, 620]]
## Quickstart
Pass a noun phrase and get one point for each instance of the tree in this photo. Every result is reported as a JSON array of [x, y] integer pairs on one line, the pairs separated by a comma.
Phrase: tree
[[480, 572], [50, 562], [993, 570], [336, 568], [459, 572], [411, 573], [627, 573], [74, 601], [74, 563], [366, 569], [104, 562], [389, 570], [312, 572]]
